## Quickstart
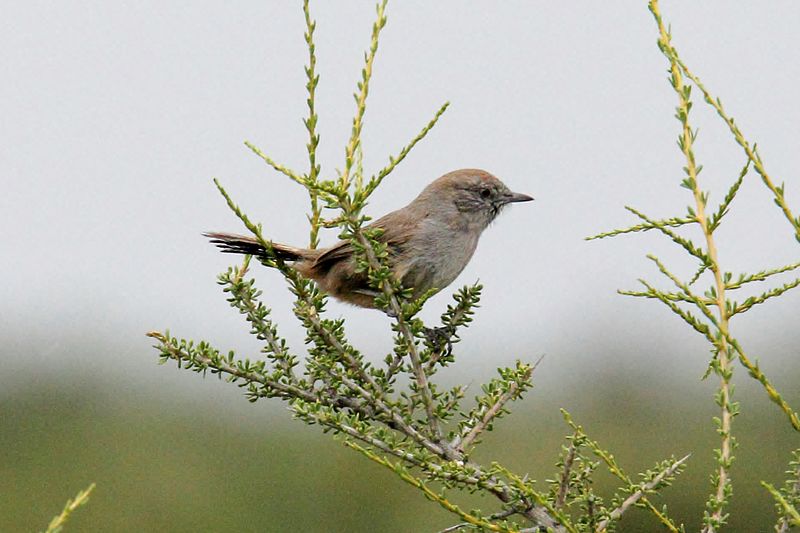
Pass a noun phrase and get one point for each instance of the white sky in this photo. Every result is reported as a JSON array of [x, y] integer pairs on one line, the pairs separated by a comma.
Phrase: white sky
[[114, 117]]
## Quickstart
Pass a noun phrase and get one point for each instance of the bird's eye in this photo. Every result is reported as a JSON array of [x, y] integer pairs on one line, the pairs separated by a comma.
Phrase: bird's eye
[[485, 193]]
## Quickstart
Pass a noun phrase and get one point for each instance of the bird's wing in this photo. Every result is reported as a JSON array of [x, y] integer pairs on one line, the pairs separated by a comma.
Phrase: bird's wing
[[397, 230]]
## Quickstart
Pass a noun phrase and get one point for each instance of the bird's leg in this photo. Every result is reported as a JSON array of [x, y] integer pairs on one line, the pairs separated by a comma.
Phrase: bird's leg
[[439, 340]]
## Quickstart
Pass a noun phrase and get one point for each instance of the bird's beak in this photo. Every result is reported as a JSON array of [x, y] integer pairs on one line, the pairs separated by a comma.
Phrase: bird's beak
[[517, 197]]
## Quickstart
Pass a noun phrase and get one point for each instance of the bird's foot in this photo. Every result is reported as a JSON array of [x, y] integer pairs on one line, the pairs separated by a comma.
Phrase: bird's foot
[[439, 340]]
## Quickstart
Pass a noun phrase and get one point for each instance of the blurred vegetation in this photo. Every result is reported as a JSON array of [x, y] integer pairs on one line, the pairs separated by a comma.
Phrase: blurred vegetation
[[163, 464]]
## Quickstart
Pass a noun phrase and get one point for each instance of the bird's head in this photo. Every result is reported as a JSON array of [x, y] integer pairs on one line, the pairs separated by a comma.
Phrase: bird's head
[[476, 194]]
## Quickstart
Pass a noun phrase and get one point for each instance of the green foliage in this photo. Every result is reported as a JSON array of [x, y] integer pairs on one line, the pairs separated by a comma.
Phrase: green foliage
[[713, 309], [787, 499], [395, 413]]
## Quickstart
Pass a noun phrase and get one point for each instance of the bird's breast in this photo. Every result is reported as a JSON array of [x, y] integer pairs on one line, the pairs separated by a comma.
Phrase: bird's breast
[[438, 254]]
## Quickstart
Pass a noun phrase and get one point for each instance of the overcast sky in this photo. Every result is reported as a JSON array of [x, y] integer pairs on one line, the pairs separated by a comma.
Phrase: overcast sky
[[115, 116]]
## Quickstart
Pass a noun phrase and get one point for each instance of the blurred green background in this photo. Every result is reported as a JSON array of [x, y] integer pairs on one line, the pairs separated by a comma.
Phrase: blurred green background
[[210, 461]]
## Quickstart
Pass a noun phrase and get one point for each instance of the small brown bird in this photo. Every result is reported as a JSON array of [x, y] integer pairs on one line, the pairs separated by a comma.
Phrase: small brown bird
[[429, 241]]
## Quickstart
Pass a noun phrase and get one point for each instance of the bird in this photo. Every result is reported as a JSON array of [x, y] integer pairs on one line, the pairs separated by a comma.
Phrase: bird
[[429, 241]]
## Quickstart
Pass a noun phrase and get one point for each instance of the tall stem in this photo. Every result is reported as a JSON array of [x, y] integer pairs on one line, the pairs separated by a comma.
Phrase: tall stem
[[723, 367]]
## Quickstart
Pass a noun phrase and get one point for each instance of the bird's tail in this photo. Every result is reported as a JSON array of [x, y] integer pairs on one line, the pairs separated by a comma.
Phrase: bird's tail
[[232, 243]]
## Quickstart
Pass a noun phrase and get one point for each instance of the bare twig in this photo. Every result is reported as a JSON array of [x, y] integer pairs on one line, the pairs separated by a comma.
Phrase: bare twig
[[563, 485]]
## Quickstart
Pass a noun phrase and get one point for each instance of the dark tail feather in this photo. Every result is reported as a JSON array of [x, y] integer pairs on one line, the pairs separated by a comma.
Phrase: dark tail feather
[[231, 243]]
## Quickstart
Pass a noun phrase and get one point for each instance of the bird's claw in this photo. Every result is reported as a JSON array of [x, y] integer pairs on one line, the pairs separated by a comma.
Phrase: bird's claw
[[440, 340]]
